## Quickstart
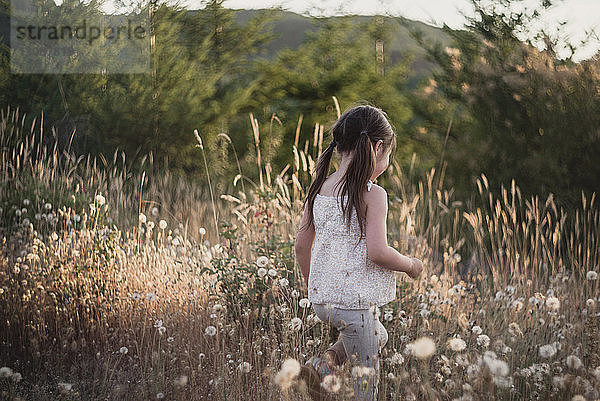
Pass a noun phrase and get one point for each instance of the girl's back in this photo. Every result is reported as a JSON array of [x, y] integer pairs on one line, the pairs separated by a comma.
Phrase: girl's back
[[341, 273]]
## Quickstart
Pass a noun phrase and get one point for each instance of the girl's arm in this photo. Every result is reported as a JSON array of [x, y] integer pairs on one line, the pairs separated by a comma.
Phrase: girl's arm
[[376, 232], [303, 246]]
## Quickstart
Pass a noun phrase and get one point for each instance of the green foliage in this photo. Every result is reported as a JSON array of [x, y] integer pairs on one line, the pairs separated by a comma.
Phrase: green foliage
[[517, 112]]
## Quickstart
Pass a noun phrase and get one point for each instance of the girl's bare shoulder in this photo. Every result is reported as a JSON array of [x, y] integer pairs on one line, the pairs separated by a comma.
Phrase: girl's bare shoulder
[[377, 196]]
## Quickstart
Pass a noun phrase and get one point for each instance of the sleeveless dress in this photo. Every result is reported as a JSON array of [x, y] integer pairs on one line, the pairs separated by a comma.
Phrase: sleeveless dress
[[341, 272]]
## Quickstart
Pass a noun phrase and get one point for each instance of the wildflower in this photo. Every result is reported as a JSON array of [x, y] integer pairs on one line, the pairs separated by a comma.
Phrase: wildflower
[[573, 362], [272, 272], [123, 350], [151, 296], [397, 358], [283, 282], [590, 303], [296, 324], [553, 303], [170, 339], [547, 351], [331, 383], [158, 323], [423, 347], [591, 275], [476, 330], [262, 261], [457, 344], [289, 371], [261, 272], [162, 330], [181, 381], [244, 367], [48, 206], [210, 331], [483, 340], [100, 200], [304, 303], [5, 371]]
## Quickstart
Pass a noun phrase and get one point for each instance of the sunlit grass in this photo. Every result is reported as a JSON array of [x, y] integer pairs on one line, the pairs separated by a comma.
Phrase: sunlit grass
[[115, 285]]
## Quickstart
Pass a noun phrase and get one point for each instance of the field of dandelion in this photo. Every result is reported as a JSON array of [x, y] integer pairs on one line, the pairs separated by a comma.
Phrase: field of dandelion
[[116, 286]]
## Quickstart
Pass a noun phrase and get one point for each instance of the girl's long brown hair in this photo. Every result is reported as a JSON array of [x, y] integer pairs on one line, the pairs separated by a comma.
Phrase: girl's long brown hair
[[348, 135]]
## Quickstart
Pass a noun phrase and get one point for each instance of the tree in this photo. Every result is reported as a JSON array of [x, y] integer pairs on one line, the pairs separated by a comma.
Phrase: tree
[[520, 112]]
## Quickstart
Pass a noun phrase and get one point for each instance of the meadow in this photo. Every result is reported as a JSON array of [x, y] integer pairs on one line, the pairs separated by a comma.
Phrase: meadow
[[123, 285]]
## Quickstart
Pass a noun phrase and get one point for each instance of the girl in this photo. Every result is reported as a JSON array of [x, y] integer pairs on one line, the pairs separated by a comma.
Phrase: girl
[[342, 249]]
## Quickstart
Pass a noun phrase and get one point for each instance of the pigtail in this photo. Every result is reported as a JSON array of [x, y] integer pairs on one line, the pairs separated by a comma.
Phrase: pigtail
[[357, 176], [320, 174]]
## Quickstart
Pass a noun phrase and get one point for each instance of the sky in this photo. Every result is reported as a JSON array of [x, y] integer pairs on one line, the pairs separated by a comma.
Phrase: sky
[[579, 15]]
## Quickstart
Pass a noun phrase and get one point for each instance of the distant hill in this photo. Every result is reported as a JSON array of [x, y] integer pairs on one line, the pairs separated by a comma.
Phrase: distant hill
[[292, 29]]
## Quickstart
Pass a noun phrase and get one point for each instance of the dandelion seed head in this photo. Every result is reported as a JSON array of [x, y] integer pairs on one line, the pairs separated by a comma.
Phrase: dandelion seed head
[[296, 324], [457, 344], [331, 383], [288, 372], [262, 261], [476, 330], [360, 371], [483, 340], [547, 351], [64, 388], [553, 303], [304, 303], [261, 272], [423, 347], [591, 275], [123, 350], [573, 362], [181, 381], [210, 331]]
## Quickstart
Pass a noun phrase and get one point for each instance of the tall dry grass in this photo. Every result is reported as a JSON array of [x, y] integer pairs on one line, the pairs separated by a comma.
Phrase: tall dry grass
[[117, 285]]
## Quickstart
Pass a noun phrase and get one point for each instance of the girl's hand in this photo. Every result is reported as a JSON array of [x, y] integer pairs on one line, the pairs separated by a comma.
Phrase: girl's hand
[[416, 268]]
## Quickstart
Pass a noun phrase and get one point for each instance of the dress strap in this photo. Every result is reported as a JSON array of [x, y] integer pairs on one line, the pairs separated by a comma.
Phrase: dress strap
[[369, 183]]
